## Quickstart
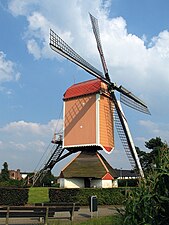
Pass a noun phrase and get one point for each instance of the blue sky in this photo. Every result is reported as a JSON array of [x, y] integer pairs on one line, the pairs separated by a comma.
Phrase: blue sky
[[135, 38]]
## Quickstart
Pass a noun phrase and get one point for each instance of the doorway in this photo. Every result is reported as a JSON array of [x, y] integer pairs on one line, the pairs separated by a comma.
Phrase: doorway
[[87, 182]]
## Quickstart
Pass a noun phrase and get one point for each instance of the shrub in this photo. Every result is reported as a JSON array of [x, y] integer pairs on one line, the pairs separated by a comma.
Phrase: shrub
[[12, 183], [13, 196], [149, 204], [107, 196]]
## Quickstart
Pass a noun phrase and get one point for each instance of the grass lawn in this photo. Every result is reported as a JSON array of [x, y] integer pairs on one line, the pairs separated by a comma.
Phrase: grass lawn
[[38, 194], [106, 220]]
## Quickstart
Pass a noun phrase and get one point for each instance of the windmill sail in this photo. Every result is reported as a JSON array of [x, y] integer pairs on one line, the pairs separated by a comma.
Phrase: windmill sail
[[129, 99], [133, 104], [125, 137], [59, 46], [126, 97], [95, 27]]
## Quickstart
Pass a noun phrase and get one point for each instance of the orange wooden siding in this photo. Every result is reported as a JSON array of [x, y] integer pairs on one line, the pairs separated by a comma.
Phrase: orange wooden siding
[[80, 121], [106, 123]]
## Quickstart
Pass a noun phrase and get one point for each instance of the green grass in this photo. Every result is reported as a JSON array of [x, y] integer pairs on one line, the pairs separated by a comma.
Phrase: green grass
[[106, 220], [38, 194]]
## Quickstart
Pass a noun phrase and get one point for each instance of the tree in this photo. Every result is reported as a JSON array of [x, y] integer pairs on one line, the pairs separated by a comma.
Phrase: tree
[[48, 179], [148, 159], [5, 173]]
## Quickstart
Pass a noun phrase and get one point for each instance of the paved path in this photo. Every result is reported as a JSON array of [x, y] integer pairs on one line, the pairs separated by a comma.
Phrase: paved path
[[82, 215], [84, 212]]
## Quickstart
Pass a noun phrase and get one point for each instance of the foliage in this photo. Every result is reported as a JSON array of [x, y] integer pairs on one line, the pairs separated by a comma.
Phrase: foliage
[[4, 176], [147, 159], [149, 204], [38, 195], [48, 179], [13, 196], [5, 180], [105, 196], [12, 183]]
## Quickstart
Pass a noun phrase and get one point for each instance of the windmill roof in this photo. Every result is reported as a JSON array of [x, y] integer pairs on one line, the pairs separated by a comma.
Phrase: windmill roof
[[88, 164], [83, 88]]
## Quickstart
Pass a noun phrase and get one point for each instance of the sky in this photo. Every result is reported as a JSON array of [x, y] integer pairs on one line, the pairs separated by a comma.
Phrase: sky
[[33, 78]]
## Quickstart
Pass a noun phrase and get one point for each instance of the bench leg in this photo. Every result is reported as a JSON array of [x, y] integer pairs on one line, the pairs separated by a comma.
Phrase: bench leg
[[72, 212], [46, 217], [7, 216]]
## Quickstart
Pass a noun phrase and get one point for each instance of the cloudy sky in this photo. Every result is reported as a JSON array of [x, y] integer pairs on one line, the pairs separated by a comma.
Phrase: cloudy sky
[[33, 79]]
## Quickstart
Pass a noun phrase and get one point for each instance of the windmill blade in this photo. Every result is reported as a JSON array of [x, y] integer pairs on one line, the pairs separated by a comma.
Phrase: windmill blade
[[96, 32], [59, 46], [125, 136], [129, 99], [131, 103]]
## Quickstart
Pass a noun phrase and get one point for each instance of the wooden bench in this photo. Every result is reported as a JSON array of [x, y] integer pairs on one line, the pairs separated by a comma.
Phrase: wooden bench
[[61, 207], [40, 210]]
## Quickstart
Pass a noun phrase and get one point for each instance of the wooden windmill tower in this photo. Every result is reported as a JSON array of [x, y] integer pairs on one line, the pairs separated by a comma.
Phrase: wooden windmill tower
[[88, 117], [91, 109]]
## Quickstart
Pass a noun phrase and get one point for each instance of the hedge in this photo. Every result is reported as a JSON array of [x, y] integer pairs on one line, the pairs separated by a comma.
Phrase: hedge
[[13, 196], [106, 196]]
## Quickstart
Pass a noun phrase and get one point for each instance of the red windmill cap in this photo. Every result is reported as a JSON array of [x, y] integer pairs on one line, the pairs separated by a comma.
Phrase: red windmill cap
[[83, 88]]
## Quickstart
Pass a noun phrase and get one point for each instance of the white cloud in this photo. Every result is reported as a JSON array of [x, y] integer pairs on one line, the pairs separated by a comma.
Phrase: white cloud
[[34, 49], [26, 142], [23, 7], [8, 70], [156, 129], [22, 128]]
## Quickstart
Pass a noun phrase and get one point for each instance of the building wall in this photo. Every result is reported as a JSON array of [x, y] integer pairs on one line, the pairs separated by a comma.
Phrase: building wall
[[107, 184], [96, 183], [80, 121], [115, 183], [15, 174], [106, 123], [72, 183], [79, 183]]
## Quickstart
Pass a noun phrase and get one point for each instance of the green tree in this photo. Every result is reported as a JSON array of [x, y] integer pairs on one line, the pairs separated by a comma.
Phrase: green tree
[[149, 204], [148, 159], [5, 172], [48, 179]]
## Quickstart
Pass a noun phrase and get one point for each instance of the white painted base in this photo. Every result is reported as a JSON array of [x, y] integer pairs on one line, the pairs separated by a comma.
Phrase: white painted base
[[79, 183]]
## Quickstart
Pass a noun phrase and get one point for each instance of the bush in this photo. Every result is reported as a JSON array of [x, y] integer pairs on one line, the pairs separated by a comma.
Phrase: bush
[[13, 196], [107, 196], [149, 204], [12, 183]]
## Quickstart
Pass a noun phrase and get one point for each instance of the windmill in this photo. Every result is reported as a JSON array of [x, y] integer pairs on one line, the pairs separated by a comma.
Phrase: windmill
[[126, 97]]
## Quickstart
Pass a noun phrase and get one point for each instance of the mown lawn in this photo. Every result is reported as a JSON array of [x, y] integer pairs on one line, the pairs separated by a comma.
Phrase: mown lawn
[[38, 194]]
